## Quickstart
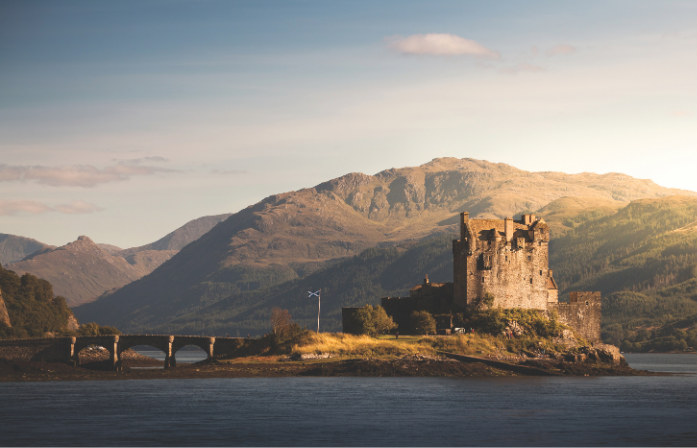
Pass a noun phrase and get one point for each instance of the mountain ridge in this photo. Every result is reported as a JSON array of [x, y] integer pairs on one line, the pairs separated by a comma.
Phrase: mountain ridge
[[288, 235]]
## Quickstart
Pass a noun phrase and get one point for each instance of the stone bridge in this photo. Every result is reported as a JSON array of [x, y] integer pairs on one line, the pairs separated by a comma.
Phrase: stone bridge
[[68, 349]]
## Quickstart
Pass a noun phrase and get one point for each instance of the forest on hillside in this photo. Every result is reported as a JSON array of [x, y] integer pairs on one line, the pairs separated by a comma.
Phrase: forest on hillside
[[33, 309]]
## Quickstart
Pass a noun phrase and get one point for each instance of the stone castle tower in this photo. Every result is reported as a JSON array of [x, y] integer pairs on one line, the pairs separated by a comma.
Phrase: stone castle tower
[[506, 258]]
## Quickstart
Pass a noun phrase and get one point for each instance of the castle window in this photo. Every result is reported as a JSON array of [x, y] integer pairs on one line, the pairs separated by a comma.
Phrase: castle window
[[506, 258], [531, 281], [529, 258], [482, 279], [540, 271]]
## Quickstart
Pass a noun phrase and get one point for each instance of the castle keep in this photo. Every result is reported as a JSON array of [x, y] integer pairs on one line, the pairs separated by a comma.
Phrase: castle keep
[[508, 260]]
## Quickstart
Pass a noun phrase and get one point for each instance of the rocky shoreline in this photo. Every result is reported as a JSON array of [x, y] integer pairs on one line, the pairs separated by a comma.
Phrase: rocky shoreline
[[444, 365]]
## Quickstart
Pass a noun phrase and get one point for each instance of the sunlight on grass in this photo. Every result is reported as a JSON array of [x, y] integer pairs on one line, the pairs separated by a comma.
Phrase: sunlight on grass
[[352, 345]]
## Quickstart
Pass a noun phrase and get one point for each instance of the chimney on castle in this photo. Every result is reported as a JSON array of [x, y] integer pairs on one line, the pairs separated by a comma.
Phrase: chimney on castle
[[528, 219], [464, 219], [508, 229], [426, 281]]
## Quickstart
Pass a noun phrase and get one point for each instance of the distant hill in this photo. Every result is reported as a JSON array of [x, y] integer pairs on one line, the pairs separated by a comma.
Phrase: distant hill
[[80, 271], [288, 236], [31, 307], [110, 248], [15, 248], [176, 240]]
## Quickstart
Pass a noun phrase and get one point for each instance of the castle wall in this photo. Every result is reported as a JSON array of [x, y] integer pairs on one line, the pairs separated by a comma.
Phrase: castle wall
[[582, 313], [516, 278], [505, 258]]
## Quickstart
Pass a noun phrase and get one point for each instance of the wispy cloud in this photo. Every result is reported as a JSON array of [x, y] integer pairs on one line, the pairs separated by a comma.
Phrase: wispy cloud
[[521, 67], [140, 160], [439, 45], [77, 175], [21, 206], [229, 172], [78, 208], [562, 49]]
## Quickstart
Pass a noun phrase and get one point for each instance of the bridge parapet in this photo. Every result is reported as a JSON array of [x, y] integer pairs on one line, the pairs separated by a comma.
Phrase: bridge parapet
[[68, 348]]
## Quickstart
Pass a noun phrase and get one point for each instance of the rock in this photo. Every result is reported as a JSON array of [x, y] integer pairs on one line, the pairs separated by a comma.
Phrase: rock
[[515, 328], [600, 353]]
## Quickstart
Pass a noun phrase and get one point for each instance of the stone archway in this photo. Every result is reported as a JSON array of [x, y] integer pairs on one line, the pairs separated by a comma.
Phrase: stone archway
[[109, 343]]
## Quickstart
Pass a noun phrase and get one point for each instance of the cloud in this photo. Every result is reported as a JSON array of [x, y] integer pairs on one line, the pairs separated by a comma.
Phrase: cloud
[[229, 172], [78, 208], [21, 206], [76, 175], [15, 207], [140, 160], [522, 67], [439, 45], [563, 49]]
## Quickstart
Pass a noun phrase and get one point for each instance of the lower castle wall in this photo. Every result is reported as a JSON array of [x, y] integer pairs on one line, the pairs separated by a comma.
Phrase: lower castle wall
[[582, 313]]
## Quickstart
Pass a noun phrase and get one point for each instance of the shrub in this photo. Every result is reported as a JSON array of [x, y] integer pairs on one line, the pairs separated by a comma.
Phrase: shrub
[[422, 322], [370, 320]]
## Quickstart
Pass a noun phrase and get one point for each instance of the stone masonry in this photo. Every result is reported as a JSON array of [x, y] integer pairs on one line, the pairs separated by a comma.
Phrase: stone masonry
[[582, 313], [506, 258]]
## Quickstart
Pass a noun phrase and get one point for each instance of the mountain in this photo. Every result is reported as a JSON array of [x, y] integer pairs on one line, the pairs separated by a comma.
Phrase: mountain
[[288, 236], [30, 307], [80, 271], [110, 248], [83, 271], [14, 248], [179, 238], [643, 258]]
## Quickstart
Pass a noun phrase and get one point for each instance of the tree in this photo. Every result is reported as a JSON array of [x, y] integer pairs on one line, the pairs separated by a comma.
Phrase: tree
[[381, 321], [280, 320], [369, 320], [422, 322]]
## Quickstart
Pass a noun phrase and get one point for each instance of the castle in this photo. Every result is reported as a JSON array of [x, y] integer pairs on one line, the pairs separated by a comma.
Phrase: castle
[[508, 260]]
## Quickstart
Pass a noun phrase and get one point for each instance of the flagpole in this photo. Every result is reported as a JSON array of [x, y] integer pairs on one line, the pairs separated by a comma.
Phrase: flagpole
[[319, 301]]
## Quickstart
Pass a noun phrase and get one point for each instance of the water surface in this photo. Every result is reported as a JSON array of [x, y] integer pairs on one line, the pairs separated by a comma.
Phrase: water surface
[[615, 411]]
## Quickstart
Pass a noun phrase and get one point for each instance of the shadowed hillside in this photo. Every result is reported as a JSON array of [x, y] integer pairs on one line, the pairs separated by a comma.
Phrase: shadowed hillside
[[15, 248], [191, 231]]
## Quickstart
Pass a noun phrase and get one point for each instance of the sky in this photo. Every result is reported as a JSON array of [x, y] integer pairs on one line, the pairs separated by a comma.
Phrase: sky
[[124, 120]]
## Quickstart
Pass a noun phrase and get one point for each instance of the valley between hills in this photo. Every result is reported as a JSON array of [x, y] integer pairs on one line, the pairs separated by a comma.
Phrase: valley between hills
[[361, 237]]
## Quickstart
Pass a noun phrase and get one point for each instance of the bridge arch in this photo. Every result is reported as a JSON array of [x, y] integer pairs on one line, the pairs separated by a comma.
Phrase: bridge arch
[[110, 343], [163, 343]]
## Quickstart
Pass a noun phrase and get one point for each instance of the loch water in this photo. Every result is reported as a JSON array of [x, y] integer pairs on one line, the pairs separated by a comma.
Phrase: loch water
[[528, 411]]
